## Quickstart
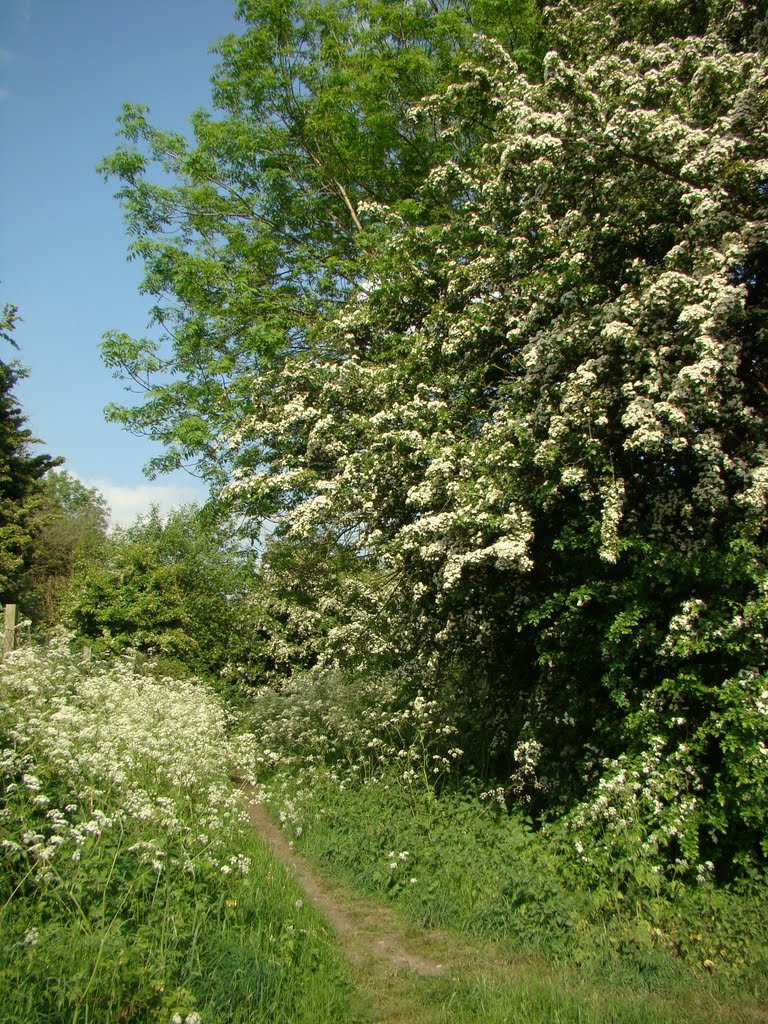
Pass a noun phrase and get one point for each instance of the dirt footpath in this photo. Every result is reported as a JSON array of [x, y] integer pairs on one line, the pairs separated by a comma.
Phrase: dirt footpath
[[363, 931]]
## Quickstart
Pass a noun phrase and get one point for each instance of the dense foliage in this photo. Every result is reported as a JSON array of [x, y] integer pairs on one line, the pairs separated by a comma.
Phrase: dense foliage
[[71, 529], [372, 788], [521, 380], [549, 421], [132, 888], [20, 472], [169, 588], [258, 234]]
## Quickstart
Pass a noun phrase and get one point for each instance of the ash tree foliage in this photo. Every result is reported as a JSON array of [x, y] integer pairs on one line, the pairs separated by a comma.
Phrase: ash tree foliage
[[251, 233], [523, 381]]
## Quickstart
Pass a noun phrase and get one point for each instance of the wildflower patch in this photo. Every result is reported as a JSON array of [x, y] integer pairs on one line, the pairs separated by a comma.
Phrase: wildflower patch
[[132, 888]]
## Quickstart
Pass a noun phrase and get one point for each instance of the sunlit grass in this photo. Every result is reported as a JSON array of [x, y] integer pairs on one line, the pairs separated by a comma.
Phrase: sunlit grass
[[521, 945], [372, 795]]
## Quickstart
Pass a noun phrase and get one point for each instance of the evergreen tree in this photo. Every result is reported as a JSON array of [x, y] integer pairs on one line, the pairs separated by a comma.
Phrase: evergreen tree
[[20, 473]]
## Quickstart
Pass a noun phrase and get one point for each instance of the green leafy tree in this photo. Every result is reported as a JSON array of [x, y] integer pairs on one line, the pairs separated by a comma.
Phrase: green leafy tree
[[548, 420], [71, 528], [255, 231], [168, 588], [500, 335], [20, 473]]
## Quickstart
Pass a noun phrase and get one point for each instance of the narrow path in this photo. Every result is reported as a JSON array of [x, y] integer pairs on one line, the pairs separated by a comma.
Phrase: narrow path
[[360, 935], [408, 975]]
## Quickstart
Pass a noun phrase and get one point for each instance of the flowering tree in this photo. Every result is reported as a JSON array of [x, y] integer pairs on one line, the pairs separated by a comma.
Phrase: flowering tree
[[545, 416], [309, 604]]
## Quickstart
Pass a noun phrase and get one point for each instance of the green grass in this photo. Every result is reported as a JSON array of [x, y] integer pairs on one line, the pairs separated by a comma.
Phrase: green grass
[[491, 1000], [595, 955], [107, 948], [133, 891]]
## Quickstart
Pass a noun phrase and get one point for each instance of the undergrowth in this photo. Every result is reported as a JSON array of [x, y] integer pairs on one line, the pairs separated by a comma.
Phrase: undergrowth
[[132, 889], [450, 861], [380, 799]]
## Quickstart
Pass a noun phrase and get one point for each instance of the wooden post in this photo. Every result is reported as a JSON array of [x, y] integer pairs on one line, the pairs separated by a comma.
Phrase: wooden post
[[9, 636]]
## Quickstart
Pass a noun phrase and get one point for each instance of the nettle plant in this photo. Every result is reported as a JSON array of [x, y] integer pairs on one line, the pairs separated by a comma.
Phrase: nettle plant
[[545, 418]]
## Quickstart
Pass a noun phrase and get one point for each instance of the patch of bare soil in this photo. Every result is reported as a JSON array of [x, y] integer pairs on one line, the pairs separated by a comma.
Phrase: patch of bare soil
[[363, 932]]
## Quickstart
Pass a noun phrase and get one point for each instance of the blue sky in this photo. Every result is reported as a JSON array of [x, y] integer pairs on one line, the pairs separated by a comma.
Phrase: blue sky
[[66, 68]]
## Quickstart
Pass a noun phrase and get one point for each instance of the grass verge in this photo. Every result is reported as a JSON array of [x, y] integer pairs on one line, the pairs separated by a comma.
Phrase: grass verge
[[528, 943]]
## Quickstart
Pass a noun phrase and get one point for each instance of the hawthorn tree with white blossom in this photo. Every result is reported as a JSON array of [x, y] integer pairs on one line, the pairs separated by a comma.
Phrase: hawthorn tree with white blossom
[[545, 419]]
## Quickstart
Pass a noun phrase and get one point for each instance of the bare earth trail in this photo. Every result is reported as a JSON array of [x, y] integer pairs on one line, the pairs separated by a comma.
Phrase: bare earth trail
[[393, 965], [360, 937]]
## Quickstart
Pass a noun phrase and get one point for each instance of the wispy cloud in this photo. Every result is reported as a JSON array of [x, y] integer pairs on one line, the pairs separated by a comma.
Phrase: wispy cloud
[[127, 503], [4, 94]]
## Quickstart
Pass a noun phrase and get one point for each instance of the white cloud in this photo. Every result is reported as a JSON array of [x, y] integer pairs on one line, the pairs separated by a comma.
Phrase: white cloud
[[5, 55], [4, 94], [127, 503]]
